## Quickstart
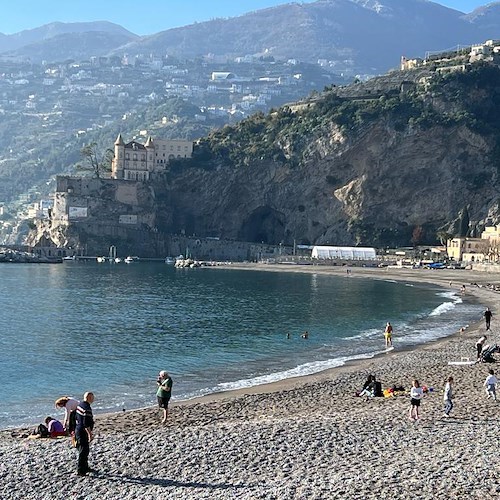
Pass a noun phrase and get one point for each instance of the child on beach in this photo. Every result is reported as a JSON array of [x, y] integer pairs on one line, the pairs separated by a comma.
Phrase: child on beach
[[448, 397], [490, 384], [55, 427], [416, 394]]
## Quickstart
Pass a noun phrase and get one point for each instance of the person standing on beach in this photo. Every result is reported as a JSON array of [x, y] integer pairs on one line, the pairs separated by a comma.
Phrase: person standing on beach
[[83, 432], [164, 393], [480, 345], [490, 384], [487, 317], [388, 335], [70, 405], [416, 394], [448, 397]]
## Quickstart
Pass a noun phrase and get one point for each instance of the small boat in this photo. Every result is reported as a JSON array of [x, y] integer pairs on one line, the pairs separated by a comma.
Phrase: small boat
[[170, 261], [131, 259], [117, 260], [101, 259]]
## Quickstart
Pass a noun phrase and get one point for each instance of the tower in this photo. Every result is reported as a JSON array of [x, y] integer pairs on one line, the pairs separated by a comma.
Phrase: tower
[[150, 155], [118, 163]]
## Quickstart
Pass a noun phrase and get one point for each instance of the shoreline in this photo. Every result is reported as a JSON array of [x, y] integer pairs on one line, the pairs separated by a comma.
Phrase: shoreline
[[359, 361], [304, 437]]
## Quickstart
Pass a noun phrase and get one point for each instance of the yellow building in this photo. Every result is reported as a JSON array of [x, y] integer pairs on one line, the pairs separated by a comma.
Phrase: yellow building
[[134, 161], [491, 233], [459, 248]]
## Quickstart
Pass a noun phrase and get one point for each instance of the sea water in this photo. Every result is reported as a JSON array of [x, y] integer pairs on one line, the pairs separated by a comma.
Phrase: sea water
[[78, 326]]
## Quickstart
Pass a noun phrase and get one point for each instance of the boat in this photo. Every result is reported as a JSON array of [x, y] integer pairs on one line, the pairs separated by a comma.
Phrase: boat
[[101, 259], [117, 260], [170, 261], [129, 259]]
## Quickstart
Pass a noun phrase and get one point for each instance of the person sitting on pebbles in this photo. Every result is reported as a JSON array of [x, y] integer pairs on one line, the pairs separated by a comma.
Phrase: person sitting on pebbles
[[55, 427]]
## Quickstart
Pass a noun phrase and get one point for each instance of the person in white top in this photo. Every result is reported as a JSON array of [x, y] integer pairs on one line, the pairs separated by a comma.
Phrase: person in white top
[[490, 384], [69, 405], [416, 394]]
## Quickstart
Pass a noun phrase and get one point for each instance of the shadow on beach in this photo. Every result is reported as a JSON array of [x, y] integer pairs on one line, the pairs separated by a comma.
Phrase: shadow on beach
[[150, 481]]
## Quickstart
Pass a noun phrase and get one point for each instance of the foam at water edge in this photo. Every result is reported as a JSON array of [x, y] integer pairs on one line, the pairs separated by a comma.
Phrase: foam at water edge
[[299, 371]]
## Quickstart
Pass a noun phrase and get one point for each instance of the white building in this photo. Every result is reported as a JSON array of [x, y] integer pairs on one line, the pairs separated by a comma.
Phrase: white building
[[343, 253]]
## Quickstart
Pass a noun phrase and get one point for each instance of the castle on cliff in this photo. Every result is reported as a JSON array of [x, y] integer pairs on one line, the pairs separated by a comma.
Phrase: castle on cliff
[[134, 161]]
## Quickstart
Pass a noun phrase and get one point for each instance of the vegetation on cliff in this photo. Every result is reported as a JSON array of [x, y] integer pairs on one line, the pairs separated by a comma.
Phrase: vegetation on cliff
[[470, 98]]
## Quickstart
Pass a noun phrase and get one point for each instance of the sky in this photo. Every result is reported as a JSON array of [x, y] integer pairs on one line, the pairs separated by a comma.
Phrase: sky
[[144, 18]]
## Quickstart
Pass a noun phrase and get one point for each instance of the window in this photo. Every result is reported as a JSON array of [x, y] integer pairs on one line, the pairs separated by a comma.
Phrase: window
[[134, 157]]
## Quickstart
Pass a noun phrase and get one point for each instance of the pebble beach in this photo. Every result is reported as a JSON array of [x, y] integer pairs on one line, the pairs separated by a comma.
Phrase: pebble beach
[[304, 438]]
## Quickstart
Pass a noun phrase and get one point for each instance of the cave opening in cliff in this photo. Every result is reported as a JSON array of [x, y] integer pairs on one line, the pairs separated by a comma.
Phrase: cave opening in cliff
[[263, 225]]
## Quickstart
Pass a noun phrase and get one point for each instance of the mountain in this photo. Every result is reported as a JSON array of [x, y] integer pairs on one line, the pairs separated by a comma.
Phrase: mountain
[[486, 18], [42, 42], [354, 36], [366, 36], [77, 46]]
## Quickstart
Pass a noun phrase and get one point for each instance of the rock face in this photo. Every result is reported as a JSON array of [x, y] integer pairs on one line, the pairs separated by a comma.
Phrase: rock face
[[389, 169], [376, 191]]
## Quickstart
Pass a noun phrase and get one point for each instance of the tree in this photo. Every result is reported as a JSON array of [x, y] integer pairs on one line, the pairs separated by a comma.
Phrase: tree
[[463, 223], [417, 235], [94, 161], [443, 237]]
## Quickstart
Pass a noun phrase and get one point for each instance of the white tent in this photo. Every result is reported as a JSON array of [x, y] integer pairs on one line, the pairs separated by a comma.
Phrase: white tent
[[344, 253]]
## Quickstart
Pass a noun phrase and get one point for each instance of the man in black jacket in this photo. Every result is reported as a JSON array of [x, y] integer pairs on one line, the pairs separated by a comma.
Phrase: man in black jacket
[[487, 317], [83, 432]]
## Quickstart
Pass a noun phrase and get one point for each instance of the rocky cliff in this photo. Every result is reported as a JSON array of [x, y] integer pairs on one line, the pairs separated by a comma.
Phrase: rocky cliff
[[392, 162], [381, 168]]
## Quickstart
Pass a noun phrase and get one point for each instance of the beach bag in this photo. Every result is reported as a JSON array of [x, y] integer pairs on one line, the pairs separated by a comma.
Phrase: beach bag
[[41, 431]]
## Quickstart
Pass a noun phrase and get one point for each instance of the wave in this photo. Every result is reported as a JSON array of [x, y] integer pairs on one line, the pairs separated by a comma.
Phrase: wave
[[299, 371], [446, 306]]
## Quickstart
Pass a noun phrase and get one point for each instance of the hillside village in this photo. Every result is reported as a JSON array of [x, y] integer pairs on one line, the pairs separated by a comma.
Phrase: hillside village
[[138, 161], [56, 106]]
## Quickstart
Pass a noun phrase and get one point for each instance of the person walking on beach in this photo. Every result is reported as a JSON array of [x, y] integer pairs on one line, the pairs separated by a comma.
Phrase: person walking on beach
[[84, 432], [490, 383], [164, 393], [480, 345], [416, 394], [487, 317], [448, 397], [388, 335], [70, 405]]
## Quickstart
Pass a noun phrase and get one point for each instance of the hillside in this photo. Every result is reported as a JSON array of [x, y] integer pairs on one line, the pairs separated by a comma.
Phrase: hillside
[[395, 161], [391, 169], [354, 35], [20, 44]]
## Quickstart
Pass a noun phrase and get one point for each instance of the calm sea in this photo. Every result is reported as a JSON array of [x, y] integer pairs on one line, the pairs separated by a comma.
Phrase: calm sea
[[109, 328]]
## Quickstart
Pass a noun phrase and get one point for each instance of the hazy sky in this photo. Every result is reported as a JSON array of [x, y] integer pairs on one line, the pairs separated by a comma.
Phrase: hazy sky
[[145, 17]]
